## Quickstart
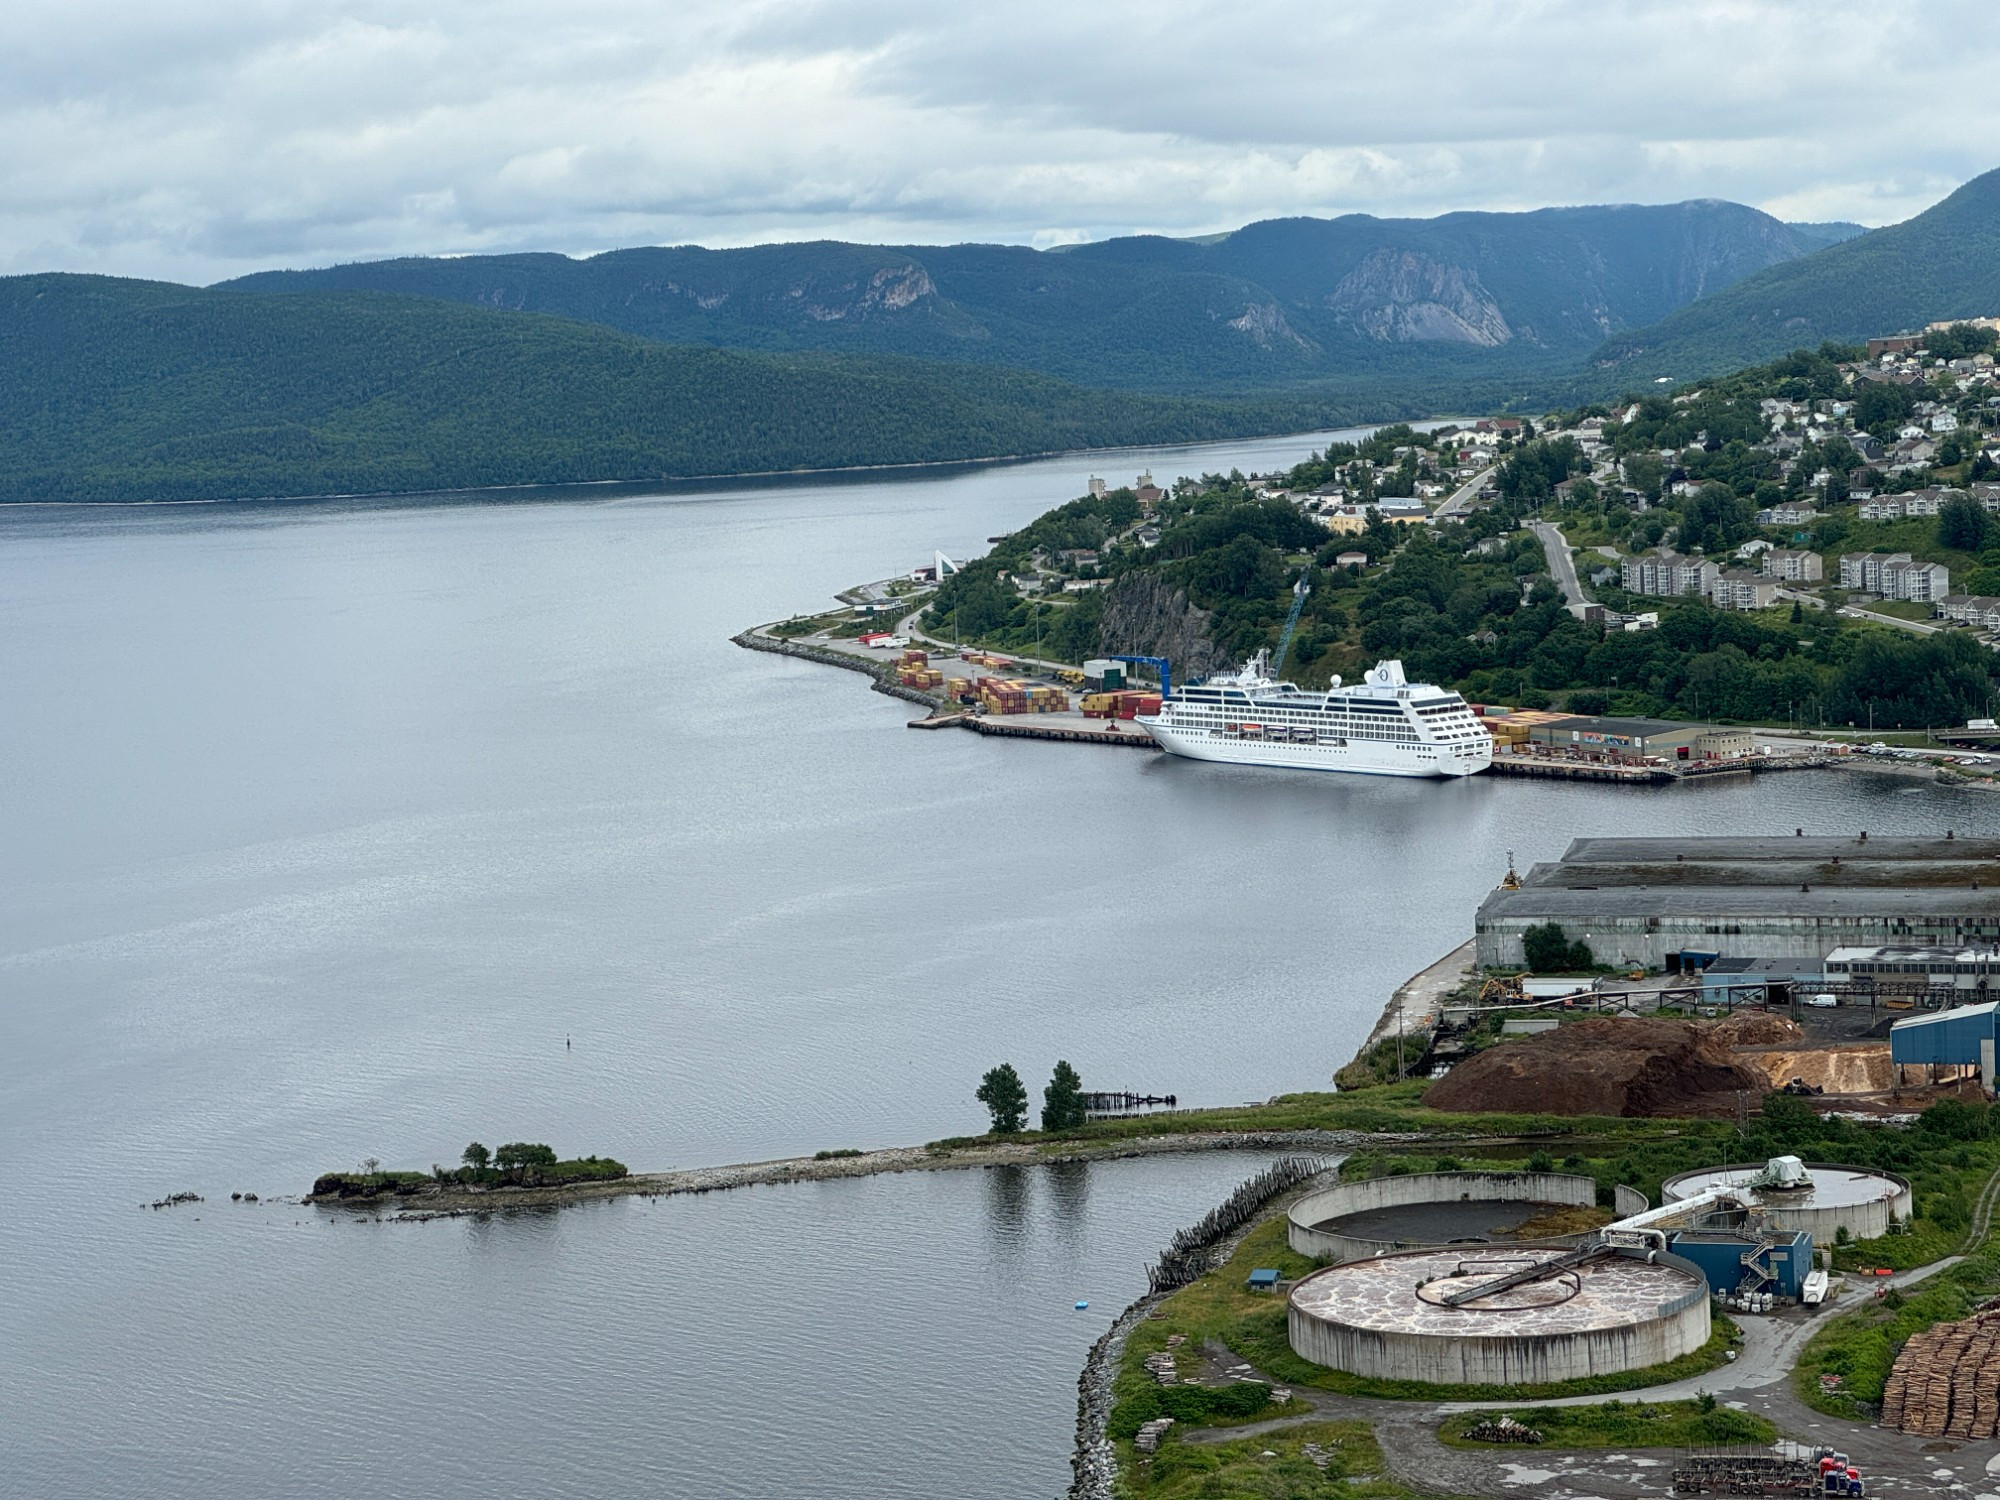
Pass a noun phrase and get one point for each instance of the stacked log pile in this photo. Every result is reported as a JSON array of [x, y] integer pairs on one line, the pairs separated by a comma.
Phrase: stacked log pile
[[1946, 1382]]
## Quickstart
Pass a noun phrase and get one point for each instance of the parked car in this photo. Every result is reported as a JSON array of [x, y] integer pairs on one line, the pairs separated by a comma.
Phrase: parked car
[[1823, 1002]]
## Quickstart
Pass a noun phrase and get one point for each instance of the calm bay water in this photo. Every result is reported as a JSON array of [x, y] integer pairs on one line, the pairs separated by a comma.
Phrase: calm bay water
[[322, 828]]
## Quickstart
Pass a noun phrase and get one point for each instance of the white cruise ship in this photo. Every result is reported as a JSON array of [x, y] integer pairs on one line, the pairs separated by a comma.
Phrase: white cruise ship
[[1381, 726]]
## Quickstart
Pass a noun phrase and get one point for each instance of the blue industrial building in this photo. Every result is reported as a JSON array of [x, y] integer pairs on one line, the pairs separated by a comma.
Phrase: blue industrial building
[[1747, 981], [1732, 1261], [1963, 1037]]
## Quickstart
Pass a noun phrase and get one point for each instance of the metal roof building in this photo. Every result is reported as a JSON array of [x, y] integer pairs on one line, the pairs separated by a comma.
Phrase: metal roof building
[[1960, 1038], [1636, 900]]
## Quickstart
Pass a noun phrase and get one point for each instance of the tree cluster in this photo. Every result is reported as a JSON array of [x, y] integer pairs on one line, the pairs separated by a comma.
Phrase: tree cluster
[[1006, 1099]]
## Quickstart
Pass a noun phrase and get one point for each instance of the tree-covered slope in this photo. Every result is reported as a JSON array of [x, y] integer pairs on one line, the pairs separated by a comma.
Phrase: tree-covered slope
[[1290, 302], [125, 390], [1942, 264]]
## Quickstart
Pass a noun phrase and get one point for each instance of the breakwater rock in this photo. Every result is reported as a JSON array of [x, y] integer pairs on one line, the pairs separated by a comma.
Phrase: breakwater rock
[[1094, 1464]]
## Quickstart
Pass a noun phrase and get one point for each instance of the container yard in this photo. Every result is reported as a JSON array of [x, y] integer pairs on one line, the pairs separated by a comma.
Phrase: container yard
[[1487, 1316], [1828, 1200], [1357, 1220]]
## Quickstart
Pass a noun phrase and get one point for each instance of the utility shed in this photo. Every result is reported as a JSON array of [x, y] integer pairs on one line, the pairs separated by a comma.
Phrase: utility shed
[[1960, 1038], [1773, 1262]]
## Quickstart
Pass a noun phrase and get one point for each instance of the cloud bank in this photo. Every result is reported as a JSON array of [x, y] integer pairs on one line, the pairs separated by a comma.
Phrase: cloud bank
[[202, 139]]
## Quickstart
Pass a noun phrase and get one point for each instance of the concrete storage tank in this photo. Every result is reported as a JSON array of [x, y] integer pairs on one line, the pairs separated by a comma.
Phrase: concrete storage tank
[[1354, 1220], [1830, 1199], [1593, 1312]]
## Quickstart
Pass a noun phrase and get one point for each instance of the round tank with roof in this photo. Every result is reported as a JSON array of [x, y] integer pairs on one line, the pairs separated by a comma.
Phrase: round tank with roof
[[1821, 1198]]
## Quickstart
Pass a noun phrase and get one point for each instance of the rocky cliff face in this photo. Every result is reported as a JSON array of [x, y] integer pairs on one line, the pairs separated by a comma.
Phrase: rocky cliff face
[[1407, 296], [1146, 615], [1265, 326], [892, 289]]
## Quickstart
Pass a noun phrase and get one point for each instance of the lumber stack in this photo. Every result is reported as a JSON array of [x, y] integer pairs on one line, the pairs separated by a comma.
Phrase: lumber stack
[[1946, 1382]]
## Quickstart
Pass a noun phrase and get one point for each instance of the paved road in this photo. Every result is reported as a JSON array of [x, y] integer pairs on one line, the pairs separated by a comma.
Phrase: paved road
[[1916, 627], [1461, 498], [1561, 564]]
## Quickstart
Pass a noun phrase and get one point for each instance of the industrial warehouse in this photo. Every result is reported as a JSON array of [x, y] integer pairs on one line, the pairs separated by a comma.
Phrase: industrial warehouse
[[1654, 902]]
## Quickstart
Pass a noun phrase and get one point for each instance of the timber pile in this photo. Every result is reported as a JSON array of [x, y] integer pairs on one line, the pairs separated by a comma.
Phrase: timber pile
[[1504, 1430], [1946, 1382]]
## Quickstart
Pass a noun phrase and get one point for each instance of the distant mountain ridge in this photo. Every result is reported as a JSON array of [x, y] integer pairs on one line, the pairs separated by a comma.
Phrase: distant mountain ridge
[[1280, 303], [1944, 263], [135, 390]]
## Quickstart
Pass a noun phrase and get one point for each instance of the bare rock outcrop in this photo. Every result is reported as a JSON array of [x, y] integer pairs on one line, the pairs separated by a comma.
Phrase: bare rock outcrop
[[1146, 614], [1407, 296]]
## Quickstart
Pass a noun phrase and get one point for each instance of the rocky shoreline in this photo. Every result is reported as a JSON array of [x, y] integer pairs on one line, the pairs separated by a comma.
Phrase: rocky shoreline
[[1094, 1464], [451, 1200]]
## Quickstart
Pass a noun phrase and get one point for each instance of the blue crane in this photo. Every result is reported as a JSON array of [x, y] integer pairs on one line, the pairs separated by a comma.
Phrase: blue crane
[[1299, 592], [1158, 664]]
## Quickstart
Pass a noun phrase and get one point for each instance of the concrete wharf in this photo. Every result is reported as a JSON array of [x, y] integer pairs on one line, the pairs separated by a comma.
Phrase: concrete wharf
[[1555, 769], [1136, 739]]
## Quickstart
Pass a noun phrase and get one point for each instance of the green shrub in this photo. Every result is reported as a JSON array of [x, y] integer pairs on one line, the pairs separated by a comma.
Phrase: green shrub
[[1190, 1405]]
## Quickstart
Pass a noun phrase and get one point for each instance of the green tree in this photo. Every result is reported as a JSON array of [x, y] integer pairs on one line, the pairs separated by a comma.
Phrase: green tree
[[1549, 951], [1962, 524], [524, 1160], [1062, 1100], [1005, 1097], [476, 1157]]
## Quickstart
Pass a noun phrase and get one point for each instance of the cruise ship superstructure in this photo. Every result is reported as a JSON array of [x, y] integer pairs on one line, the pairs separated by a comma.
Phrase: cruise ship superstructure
[[1383, 725]]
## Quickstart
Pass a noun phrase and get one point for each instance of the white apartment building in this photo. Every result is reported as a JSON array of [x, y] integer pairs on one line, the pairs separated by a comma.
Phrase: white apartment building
[[1793, 566]]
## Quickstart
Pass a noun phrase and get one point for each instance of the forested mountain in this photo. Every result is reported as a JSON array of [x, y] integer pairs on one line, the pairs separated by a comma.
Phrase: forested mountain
[[1286, 302], [1942, 264], [130, 390]]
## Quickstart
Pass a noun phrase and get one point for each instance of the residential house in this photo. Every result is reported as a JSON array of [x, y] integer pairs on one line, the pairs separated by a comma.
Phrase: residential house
[[1883, 508], [1667, 574], [1980, 611], [1919, 582], [1793, 566], [1790, 513], [1895, 575], [1862, 571], [1739, 589]]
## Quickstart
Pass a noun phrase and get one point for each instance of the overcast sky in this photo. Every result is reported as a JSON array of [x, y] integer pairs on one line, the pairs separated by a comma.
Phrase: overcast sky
[[194, 139]]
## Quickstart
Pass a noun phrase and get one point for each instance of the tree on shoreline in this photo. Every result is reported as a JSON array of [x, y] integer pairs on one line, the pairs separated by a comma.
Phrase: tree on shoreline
[[1062, 1100], [1005, 1097], [476, 1157]]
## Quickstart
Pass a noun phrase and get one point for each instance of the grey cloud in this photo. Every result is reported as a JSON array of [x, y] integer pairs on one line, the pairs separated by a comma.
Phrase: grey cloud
[[204, 138]]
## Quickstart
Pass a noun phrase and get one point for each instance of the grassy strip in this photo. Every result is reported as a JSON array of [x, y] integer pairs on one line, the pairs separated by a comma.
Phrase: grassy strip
[[1200, 1471], [1616, 1424], [1252, 1326], [1861, 1346], [1393, 1108]]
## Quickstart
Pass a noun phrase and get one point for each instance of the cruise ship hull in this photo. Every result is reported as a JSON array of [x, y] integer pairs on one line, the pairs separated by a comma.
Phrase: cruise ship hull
[[1362, 757]]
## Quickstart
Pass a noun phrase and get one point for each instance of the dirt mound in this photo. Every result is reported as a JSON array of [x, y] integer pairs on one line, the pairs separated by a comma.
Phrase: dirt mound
[[1848, 1068], [1751, 1028], [1605, 1066]]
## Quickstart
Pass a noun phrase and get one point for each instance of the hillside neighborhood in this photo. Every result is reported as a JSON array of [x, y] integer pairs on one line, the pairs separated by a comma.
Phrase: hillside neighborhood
[[1810, 507]]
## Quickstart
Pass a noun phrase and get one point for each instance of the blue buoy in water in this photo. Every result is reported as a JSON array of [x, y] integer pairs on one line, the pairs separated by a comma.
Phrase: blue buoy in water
[[1081, 1306]]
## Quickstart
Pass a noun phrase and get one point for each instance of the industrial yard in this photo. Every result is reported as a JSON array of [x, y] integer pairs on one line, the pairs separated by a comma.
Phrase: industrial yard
[[1743, 1165]]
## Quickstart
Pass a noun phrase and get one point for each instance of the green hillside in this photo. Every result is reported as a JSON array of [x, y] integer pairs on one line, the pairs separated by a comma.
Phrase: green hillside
[[1335, 306], [1942, 264], [128, 390]]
